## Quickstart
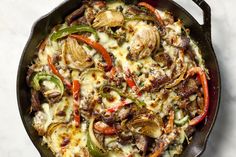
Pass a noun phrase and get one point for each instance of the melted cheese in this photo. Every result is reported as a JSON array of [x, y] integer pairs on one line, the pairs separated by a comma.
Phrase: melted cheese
[[91, 80], [51, 49], [76, 140]]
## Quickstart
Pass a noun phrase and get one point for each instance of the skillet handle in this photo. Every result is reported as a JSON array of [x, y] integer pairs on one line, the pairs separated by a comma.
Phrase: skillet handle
[[206, 16]]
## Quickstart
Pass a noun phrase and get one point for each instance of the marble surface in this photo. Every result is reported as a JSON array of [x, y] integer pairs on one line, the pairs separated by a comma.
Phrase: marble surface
[[16, 19]]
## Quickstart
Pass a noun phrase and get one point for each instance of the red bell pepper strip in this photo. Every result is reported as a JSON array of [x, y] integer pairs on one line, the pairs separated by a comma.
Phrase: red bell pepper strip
[[55, 71], [76, 94], [153, 10], [104, 128], [131, 83], [158, 152], [170, 124], [117, 107], [203, 79], [97, 47]]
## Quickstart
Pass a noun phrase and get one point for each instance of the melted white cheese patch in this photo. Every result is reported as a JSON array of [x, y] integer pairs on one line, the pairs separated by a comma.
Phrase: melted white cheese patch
[[91, 80], [51, 48], [60, 132]]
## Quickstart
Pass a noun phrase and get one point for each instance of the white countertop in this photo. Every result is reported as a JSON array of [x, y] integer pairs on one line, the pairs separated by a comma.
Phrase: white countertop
[[16, 19]]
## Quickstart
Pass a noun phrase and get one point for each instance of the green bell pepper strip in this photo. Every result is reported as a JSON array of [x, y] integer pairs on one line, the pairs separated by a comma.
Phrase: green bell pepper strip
[[135, 100], [182, 121], [43, 76], [94, 147], [93, 150], [73, 29]]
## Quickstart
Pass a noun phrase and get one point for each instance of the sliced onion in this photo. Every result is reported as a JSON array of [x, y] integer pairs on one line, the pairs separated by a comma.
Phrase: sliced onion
[[110, 18], [178, 80], [145, 125], [75, 56], [116, 100], [52, 127], [92, 136]]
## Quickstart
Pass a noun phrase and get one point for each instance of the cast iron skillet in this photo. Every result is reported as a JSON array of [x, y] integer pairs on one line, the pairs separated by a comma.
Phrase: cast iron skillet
[[200, 33]]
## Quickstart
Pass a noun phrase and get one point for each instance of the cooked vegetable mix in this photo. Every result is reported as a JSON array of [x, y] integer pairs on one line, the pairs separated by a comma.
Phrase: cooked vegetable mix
[[118, 80]]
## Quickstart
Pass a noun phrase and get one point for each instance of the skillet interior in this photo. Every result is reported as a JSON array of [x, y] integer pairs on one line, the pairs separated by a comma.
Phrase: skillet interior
[[42, 28]]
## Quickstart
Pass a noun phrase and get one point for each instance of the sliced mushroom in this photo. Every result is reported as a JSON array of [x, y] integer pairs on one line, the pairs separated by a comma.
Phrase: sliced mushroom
[[75, 56], [108, 18], [146, 39]]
